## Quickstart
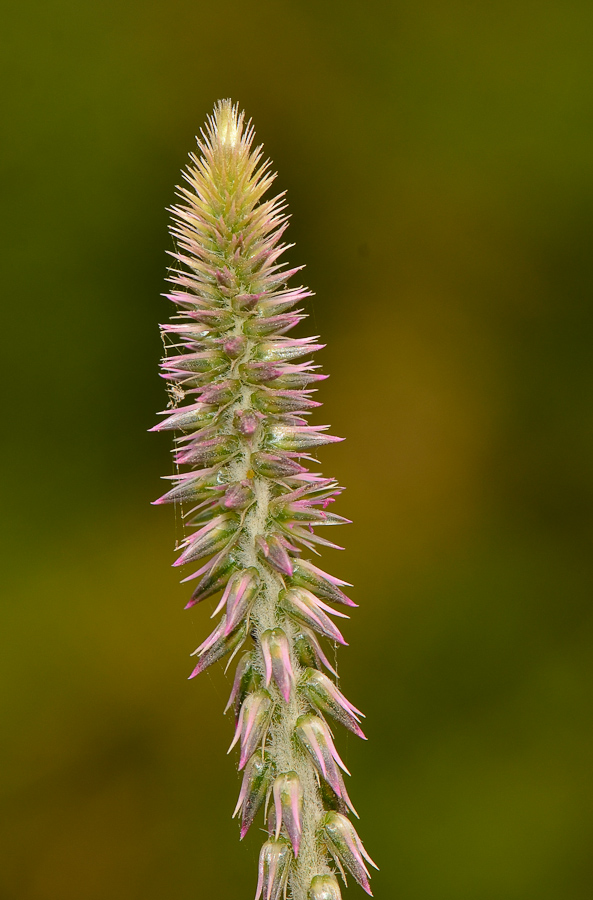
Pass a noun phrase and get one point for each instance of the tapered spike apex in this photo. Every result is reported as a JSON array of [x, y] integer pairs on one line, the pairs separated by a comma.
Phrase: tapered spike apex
[[324, 887], [288, 806], [240, 393]]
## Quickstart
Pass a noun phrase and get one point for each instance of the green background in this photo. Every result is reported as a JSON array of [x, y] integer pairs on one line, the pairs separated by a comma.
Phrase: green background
[[438, 161]]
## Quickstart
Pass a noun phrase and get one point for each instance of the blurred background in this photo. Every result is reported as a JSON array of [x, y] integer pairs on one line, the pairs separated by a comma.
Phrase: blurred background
[[438, 158]]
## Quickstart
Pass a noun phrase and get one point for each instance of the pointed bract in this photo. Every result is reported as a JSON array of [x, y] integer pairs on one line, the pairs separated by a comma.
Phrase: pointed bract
[[273, 549], [252, 724], [324, 694], [255, 786], [247, 679], [315, 737], [239, 596], [277, 662], [307, 575], [211, 538], [274, 863], [305, 607], [288, 805], [217, 645], [346, 846]]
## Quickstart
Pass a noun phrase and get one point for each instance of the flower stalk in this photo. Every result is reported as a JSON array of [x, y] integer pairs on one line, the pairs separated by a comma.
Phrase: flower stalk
[[252, 507]]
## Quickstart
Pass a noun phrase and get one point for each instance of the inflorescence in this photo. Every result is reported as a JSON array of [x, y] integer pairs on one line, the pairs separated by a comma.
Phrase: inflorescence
[[253, 507]]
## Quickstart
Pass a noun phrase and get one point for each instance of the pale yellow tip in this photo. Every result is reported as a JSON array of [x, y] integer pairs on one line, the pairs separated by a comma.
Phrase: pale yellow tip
[[228, 125]]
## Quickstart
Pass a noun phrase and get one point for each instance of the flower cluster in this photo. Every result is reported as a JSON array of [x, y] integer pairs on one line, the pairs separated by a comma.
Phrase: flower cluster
[[253, 505]]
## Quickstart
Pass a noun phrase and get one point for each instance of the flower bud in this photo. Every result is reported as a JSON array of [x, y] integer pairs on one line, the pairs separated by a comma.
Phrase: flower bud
[[245, 302], [235, 346], [296, 438], [270, 465], [280, 302], [324, 887], [324, 694], [256, 782], [239, 596], [285, 349], [210, 452], [252, 724], [274, 865], [309, 651], [215, 573], [304, 512], [288, 805], [238, 495], [207, 361], [187, 418], [220, 392], [247, 679], [260, 372], [191, 487], [314, 735], [271, 325], [246, 421], [217, 645], [272, 548], [289, 377], [274, 403], [305, 607], [345, 844], [320, 583], [276, 653], [209, 539]]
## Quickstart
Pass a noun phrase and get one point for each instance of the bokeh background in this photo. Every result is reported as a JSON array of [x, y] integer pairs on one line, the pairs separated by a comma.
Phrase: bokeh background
[[438, 158]]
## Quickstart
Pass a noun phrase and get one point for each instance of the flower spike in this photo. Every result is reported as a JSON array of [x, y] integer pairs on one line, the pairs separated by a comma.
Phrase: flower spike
[[241, 391]]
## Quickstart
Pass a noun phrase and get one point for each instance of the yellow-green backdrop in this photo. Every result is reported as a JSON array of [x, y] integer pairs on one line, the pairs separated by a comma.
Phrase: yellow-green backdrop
[[438, 158]]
